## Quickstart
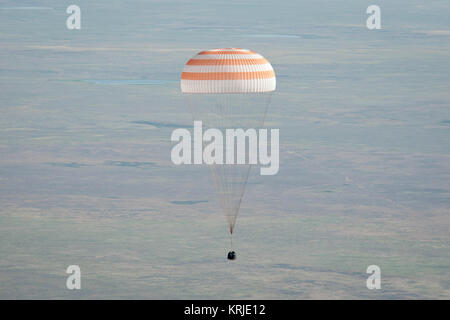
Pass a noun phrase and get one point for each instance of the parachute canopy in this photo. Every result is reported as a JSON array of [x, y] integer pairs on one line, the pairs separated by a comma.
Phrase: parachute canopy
[[228, 70]]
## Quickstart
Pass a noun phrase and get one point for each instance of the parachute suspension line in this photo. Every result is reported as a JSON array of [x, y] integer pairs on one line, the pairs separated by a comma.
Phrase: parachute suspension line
[[230, 111], [231, 180], [222, 186], [231, 241], [227, 172]]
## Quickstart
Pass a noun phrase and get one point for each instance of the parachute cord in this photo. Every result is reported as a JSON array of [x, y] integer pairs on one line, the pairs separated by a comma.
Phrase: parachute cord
[[231, 241], [231, 237]]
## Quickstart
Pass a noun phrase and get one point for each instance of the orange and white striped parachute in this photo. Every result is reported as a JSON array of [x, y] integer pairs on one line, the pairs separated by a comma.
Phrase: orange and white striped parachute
[[228, 70], [229, 88]]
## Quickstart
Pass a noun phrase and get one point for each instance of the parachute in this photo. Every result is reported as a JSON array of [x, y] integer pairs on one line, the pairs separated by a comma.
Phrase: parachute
[[229, 88]]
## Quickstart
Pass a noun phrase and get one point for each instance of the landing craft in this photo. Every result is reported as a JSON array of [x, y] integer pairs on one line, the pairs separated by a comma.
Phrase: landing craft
[[229, 88]]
